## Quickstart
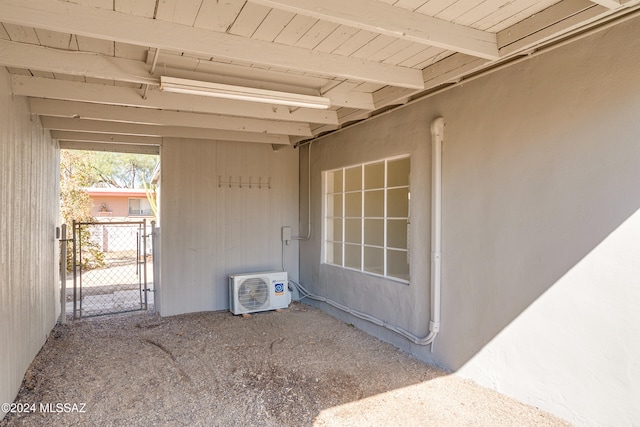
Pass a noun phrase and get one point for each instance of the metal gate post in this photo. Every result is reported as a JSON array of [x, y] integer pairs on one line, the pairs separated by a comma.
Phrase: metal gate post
[[144, 261], [154, 264], [75, 273], [63, 274]]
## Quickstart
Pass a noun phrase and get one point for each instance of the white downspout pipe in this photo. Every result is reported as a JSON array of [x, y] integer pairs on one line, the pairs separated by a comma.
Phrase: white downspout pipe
[[437, 136]]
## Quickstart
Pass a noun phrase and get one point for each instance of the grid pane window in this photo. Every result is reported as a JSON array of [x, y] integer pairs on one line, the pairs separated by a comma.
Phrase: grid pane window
[[367, 216]]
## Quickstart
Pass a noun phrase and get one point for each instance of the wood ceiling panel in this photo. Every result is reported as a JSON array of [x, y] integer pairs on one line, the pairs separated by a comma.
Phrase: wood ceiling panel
[[218, 15], [409, 4], [130, 51], [249, 20], [402, 56], [359, 62], [295, 29], [423, 57], [18, 71], [433, 7], [18, 33], [178, 11], [389, 50], [89, 44], [3, 33], [511, 13], [45, 74], [354, 43], [373, 47], [437, 55], [338, 37], [105, 82], [69, 78], [368, 87], [144, 8], [100, 4], [316, 34], [274, 22], [480, 11], [206, 43], [454, 10], [57, 40], [395, 22]]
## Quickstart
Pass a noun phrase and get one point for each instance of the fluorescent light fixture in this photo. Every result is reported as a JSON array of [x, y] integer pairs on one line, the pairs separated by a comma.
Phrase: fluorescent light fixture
[[217, 90]]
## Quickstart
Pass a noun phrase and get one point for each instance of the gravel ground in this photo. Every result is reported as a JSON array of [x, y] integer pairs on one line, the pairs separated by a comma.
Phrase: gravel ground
[[297, 367]]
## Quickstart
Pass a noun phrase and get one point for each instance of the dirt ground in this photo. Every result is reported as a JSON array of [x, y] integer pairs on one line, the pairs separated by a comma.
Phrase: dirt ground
[[298, 367]]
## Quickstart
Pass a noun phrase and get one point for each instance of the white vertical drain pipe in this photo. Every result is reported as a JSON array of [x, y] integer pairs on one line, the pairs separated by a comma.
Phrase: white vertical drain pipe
[[437, 136]]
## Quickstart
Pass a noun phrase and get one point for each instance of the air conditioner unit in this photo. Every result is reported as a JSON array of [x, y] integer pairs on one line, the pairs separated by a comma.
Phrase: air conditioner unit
[[249, 293]]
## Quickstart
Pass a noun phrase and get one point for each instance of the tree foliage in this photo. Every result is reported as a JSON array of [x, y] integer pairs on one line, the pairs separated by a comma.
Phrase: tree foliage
[[76, 173], [119, 170]]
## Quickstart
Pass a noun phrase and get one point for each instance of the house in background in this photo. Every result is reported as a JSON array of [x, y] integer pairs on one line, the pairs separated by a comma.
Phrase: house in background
[[120, 204], [533, 196], [116, 205]]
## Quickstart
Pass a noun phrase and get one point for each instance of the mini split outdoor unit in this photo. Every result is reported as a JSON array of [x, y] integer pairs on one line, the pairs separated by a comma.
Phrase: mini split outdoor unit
[[249, 293]]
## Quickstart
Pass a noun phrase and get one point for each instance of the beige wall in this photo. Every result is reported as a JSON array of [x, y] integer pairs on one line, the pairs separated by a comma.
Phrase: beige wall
[[541, 229], [28, 250], [116, 206], [209, 231]]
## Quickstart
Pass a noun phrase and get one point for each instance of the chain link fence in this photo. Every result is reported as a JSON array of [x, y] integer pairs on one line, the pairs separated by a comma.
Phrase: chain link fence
[[110, 267]]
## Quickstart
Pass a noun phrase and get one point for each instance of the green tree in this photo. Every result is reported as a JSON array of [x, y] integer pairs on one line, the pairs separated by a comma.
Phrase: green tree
[[122, 170], [77, 173]]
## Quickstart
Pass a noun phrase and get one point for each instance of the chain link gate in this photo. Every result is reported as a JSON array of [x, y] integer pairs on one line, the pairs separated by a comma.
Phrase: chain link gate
[[109, 267]]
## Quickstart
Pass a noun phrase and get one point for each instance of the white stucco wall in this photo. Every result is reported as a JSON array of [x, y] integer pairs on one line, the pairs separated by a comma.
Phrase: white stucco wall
[[28, 250], [210, 231], [541, 227]]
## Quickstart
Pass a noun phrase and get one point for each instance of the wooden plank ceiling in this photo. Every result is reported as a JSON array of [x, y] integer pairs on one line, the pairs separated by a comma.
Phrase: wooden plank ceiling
[[92, 68]]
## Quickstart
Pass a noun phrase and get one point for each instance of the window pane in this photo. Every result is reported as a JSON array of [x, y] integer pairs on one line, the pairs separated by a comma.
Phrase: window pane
[[334, 205], [366, 225], [353, 179], [374, 176], [334, 229], [353, 204], [334, 253], [398, 172], [353, 230], [397, 264], [398, 202], [397, 233], [334, 181], [374, 260], [352, 256], [374, 232], [374, 203]]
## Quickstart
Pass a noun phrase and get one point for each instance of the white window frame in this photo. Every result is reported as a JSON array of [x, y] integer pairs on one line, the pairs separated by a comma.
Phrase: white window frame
[[141, 211], [326, 217]]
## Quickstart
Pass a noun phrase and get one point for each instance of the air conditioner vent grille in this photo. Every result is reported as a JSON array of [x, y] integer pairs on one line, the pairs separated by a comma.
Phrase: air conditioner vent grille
[[253, 293]]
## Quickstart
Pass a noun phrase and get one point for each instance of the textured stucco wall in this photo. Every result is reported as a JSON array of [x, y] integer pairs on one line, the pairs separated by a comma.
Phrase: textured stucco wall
[[541, 227], [210, 231], [29, 292]]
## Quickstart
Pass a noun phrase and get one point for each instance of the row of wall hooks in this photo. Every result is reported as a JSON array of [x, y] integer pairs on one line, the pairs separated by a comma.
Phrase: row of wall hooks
[[240, 182]]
